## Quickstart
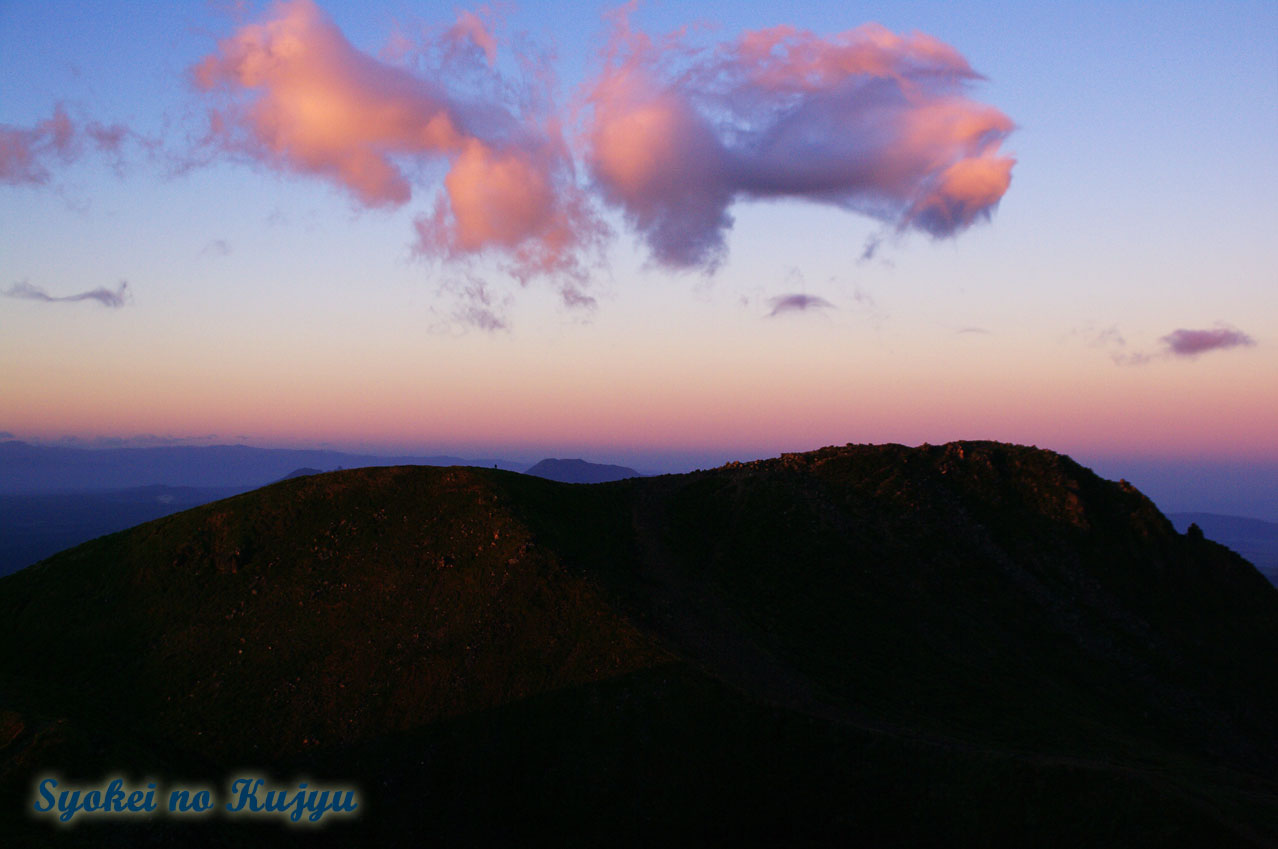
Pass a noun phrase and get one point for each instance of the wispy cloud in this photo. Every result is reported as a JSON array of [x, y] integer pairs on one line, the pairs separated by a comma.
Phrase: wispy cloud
[[865, 120], [25, 152], [475, 306], [481, 317], [797, 303], [872, 245], [106, 297], [217, 247], [28, 153]]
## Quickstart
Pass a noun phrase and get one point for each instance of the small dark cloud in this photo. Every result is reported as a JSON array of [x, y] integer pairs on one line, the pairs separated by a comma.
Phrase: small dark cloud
[[797, 303], [575, 298], [973, 331], [481, 317], [4, 434], [217, 247], [475, 305], [102, 295], [862, 297], [1191, 343], [872, 245], [107, 137], [112, 139], [1108, 337], [1136, 358]]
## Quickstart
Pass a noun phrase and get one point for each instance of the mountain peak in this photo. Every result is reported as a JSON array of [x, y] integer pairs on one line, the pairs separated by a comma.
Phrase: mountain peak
[[580, 471], [967, 644]]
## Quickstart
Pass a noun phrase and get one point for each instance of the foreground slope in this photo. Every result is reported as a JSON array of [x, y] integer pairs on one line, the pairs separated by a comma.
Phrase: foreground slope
[[967, 644]]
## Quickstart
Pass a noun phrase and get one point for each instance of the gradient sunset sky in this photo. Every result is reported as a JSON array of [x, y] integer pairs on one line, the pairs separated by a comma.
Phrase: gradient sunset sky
[[667, 235]]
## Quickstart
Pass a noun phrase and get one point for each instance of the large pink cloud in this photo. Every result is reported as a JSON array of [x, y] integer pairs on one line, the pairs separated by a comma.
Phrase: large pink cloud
[[865, 120], [298, 96]]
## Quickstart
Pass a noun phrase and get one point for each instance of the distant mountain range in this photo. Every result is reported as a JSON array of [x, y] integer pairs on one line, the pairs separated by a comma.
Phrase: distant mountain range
[[579, 471], [26, 468], [971, 644]]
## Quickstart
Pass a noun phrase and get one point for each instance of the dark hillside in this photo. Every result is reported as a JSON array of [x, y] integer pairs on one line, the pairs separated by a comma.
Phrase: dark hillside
[[969, 644]]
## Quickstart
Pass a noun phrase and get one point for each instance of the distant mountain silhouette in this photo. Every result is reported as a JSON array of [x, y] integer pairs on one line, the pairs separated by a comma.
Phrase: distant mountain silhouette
[[971, 644], [27, 469], [579, 471], [301, 473]]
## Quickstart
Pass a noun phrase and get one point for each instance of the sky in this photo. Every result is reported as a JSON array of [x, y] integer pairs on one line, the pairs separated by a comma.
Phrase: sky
[[666, 234]]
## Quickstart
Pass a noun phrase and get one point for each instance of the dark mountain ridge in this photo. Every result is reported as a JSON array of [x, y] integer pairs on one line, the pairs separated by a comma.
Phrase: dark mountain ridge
[[968, 644]]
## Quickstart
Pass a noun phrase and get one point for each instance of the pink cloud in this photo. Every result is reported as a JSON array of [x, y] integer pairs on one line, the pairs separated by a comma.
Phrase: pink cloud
[[299, 97], [323, 107], [866, 120]]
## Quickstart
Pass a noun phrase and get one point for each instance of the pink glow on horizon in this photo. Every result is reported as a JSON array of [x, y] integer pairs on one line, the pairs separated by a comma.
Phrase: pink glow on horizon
[[742, 410]]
